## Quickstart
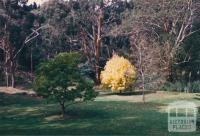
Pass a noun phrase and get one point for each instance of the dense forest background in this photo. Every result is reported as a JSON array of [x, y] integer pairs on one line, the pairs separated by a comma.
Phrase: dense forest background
[[160, 37]]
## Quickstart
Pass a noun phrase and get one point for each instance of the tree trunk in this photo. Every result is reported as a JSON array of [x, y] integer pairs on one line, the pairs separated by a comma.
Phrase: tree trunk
[[143, 88], [12, 73], [62, 104], [6, 70], [170, 71], [143, 96], [97, 42], [7, 77], [97, 75], [31, 61], [97, 66], [13, 79], [94, 53]]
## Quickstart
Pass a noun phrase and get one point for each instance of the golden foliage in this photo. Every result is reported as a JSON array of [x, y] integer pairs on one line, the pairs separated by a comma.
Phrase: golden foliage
[[118, 74]]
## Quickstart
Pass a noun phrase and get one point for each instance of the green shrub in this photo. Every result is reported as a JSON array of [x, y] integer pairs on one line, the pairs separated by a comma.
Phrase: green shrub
[[193, 87], [168, 86], [177, 86], [2, 81], [60, 80]]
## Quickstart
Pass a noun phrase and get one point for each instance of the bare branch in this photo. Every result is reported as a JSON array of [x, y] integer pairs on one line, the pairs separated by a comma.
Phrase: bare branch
[[29, 38]]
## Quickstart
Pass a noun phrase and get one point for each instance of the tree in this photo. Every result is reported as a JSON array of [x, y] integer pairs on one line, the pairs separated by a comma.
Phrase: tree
[[59, 80], [146, 57], [172, 23], [118, 74], [61, 34], [16, 22], [83, 26], [96, 24]]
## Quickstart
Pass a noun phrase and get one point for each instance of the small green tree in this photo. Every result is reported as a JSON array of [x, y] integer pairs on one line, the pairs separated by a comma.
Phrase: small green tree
[[60, 80]]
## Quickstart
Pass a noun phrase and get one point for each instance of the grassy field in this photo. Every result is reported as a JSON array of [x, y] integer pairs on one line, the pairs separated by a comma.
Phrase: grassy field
[[117, 115]]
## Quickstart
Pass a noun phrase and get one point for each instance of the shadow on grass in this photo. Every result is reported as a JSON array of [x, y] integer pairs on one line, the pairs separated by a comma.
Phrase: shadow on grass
[[127, 93], [19, 99], [20, 106], [136, 93], [197, 97]]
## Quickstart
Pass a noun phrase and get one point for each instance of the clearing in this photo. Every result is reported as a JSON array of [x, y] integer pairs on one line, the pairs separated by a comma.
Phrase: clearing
[[108, 114]]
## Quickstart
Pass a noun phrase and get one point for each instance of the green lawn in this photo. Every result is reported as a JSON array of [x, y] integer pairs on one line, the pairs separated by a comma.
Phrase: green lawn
[[25, 115]]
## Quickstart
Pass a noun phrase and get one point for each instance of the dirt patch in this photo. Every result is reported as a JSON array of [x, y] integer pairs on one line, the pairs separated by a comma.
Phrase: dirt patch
[[10, 90], [60, 117], [137, 97]]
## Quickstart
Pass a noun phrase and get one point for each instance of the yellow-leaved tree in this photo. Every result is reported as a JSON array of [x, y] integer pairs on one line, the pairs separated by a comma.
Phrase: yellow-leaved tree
[[118, 74]]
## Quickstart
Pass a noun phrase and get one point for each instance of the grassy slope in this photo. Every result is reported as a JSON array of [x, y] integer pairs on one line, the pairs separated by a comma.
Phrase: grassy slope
[[26, 115]]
